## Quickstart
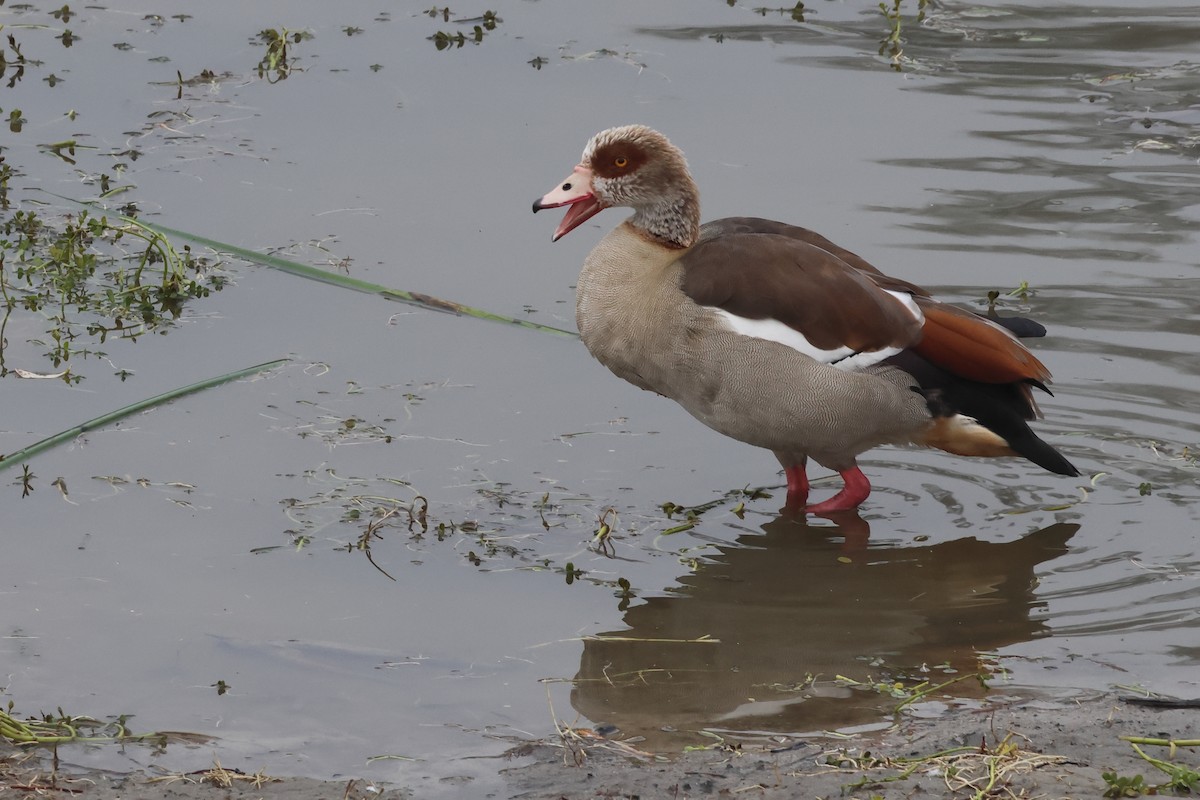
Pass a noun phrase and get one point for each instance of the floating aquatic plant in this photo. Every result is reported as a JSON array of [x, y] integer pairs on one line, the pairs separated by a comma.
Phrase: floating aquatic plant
[[91, 278], [278, 62], [480, 26]]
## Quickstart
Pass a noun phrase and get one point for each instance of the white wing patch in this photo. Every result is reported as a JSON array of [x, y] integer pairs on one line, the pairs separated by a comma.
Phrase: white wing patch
[[775, 331], [909, 302], [772, 330], [867, 358]]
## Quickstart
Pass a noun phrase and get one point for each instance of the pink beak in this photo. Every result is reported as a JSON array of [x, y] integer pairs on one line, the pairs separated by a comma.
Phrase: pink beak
[[576, 192]]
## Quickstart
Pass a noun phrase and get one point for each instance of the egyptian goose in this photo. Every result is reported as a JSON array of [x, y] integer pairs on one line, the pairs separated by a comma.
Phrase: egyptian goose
[[775, 336]]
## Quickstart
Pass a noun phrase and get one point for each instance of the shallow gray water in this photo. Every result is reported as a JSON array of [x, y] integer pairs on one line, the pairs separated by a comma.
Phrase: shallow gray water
[[1051, 144]]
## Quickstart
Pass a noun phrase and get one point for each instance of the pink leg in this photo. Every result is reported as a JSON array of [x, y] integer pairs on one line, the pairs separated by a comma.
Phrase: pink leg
[[797, 480], [856, 490]]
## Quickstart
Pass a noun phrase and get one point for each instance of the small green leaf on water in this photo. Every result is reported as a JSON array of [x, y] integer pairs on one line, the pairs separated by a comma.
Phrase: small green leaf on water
[[1022, 291], [844, 560], [1122, 786], [442, 40], [1145, 488]]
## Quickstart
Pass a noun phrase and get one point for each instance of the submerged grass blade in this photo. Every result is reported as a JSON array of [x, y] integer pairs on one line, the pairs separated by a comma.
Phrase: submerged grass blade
[[332, 278], [346, 282], [99, 422]]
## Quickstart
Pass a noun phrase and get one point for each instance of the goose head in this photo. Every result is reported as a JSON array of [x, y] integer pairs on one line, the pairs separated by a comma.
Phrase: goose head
[[635, 167]]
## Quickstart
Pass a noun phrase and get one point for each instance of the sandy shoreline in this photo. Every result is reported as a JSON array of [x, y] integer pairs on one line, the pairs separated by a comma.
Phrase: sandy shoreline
[[1029, 748]]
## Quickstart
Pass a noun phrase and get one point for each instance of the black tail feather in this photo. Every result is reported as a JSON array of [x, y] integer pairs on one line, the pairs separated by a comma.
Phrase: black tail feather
[[1000, 407]]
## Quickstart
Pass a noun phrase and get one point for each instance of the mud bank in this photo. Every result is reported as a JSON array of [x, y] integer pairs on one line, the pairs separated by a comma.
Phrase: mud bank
[[1022, 748]]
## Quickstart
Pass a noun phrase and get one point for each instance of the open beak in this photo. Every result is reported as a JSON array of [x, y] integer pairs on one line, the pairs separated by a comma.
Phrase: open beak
[[576, 193]]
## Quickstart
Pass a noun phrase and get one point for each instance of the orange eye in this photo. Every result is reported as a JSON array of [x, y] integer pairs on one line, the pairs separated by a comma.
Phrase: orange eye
[[621, 161]]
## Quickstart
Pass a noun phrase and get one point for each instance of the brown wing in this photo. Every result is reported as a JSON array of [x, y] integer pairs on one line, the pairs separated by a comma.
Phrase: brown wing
[[956, 340], [731, 225], [974, 347], [772, 276]]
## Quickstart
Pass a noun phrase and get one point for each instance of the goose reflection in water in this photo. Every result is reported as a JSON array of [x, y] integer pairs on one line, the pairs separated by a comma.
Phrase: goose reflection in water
[[790, 605]]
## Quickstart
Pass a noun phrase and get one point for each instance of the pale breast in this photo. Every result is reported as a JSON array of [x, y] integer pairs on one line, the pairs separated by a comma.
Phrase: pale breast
[[628, 307]]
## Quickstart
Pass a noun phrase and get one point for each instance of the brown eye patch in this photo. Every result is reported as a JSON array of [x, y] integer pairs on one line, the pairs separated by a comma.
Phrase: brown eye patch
[[616, 159]]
